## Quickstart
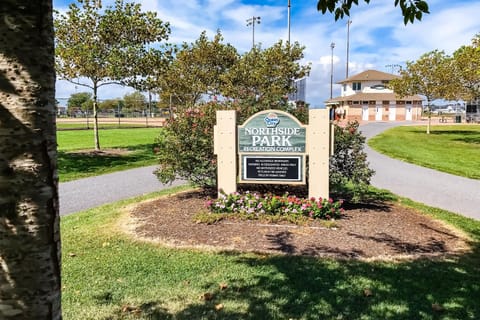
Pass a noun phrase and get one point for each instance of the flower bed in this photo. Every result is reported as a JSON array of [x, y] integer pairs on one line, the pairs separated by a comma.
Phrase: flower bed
[[256, 204]]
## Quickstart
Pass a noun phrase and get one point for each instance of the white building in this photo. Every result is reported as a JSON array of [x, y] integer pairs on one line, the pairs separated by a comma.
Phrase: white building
[[366, 96]]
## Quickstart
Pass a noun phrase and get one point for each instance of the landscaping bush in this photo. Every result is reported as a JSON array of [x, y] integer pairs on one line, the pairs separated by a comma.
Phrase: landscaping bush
[[349, 171], [185, 147]]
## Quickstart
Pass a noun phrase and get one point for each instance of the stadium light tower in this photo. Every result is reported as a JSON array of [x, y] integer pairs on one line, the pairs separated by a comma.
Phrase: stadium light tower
[[251, 22]]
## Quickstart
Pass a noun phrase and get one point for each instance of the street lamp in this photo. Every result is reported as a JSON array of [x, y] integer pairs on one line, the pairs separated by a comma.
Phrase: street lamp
[[251, 22], [332, 45]]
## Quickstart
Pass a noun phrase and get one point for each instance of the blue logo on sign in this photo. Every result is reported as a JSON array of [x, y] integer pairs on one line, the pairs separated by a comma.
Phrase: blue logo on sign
[[271, 120]]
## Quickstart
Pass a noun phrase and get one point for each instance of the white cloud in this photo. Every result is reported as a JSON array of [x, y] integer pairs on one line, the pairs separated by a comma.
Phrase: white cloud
[[378, 36]]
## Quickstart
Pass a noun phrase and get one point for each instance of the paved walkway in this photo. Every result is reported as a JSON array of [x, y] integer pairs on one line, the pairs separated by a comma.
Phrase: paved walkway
[[453, 193], [434, 188], [92, 192]]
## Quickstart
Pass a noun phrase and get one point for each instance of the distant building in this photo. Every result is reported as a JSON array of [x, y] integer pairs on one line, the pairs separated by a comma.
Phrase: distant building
[[300, 89], [366, 96]]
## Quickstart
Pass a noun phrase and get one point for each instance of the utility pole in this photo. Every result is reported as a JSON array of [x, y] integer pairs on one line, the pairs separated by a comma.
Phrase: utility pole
[[349, 22], [251, 22], [332, 45], [289, 22]]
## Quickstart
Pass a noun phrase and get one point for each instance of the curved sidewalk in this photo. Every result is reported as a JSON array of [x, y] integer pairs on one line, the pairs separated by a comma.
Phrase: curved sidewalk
[[92, 192], [437, 189]]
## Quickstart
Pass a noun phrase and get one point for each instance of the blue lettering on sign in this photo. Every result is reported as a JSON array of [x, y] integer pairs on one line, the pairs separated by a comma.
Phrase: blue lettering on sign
[[271, 120]]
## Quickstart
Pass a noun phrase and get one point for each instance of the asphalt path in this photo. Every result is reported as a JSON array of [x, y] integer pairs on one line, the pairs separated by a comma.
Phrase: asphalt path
[[434, 188], [92, 192], [437, 189]]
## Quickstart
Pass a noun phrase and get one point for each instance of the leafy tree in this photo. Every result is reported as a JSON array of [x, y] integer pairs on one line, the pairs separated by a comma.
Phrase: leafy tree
[[29, 223], [81, 100], [411, 9], [197, 70], [466, 66], [185, 146], [104, 48], [134, 101], [261, 79], [111, 104], [428, 76]]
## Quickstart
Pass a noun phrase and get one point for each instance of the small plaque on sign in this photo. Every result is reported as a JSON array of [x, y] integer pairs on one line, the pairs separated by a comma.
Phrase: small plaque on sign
[[271, 168]]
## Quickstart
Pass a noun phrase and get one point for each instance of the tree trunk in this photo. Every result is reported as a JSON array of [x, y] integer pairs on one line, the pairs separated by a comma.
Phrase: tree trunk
[[29, 219], [96, 139]]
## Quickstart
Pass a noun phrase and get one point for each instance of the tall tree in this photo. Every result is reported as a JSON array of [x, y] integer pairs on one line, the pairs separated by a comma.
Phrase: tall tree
[[265, 77], [104, 47], [185, 146], [29, 221], [411, 9], [428, 76], [466, 71], [197, 69]]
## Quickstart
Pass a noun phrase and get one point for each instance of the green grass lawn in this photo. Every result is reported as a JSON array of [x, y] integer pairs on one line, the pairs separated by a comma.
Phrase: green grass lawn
[[137, 144], [452, 149], [107, 275]]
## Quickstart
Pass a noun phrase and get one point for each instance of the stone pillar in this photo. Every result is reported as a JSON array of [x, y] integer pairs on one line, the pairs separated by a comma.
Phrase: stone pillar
[[225, 147], [318, 145]]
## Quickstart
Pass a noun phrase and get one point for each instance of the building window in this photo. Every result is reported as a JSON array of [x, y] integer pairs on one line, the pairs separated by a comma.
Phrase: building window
[[357, 86]]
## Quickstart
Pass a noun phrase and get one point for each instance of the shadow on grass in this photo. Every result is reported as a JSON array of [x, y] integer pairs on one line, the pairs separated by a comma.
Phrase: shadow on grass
[[83, 164], [467, 136], [307, 288]]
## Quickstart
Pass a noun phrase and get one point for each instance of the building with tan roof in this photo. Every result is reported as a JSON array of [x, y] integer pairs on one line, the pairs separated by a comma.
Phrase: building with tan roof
[[366, 96]]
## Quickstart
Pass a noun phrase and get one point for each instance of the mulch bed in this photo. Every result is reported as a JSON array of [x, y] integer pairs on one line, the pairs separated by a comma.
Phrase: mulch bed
[[386, 231]]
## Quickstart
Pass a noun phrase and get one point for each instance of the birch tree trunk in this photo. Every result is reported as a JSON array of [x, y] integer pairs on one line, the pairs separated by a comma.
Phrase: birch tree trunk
[[29, 219]]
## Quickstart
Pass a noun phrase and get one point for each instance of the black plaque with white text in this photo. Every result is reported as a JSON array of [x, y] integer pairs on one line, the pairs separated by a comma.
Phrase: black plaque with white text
[[270, 168]]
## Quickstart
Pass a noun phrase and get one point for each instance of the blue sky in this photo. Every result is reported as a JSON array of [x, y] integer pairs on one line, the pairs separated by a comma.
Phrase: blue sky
[[378, 38]]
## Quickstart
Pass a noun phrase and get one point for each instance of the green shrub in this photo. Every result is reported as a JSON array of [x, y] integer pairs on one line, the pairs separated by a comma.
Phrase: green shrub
[[349, 171], [185, 147]]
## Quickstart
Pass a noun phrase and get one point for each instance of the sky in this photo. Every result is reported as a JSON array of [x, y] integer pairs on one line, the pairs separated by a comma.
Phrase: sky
[[377, 37]]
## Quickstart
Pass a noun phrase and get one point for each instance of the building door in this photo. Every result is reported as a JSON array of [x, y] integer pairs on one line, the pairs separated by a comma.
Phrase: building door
[[392, 113], [408, 113], [378, 113], [365, 113]]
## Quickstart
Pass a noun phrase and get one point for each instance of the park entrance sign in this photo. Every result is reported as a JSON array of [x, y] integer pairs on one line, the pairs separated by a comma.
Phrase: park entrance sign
[[272, 147]]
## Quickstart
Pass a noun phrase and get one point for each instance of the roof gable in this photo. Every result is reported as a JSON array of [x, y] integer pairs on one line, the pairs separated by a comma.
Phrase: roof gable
[[371, 75]]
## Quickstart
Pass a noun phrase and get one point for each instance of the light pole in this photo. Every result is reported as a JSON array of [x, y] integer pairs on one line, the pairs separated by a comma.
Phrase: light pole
[[251, 22], [289, 22], [332, 45], [349, 22]]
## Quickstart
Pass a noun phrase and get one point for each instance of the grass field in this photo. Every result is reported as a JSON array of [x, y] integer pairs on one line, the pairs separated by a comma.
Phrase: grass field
[[136, 146], [107, 275], [452, 149]]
